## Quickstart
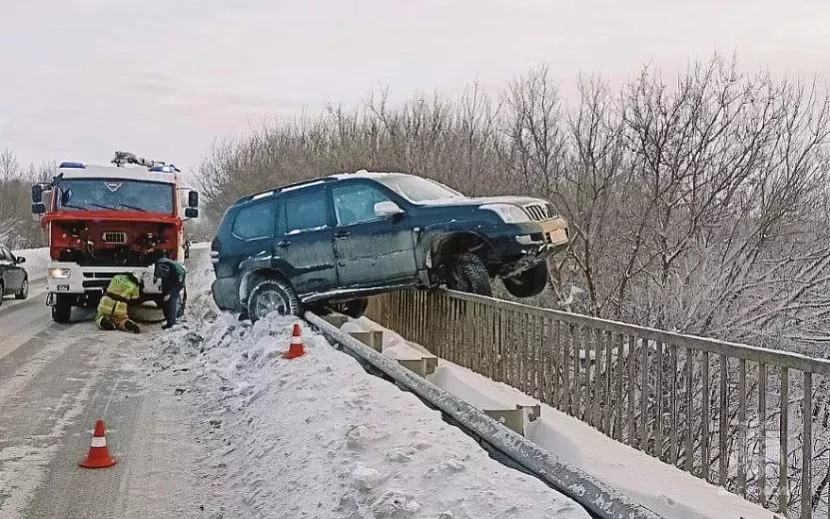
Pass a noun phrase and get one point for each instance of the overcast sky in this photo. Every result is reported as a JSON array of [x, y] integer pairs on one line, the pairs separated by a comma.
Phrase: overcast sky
[[163, 78]]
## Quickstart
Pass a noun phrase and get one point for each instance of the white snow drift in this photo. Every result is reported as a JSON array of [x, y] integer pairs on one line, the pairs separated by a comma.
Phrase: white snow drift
[[319, 437]]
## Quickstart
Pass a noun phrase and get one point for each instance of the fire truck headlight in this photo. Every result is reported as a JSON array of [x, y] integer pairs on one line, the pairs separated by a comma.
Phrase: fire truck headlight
[[58, 273]]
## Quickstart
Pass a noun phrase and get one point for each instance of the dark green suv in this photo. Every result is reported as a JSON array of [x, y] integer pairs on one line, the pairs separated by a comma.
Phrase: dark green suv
[[337, 240]]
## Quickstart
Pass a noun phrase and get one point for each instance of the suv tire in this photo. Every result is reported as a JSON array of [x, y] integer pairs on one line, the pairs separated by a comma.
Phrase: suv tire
[[468, 273], [529, 283], [23, 293], [62, 309], [271, 295]]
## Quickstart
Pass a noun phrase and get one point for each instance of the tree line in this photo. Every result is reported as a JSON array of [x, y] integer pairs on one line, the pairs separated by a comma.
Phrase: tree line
[[696, 205]]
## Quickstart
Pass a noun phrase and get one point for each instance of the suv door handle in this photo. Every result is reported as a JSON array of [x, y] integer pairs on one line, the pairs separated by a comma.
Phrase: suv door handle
[[283, 243], [342, 234]]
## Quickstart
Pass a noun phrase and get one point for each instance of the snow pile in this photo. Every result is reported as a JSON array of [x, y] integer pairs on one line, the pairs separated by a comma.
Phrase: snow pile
[[319, 437], [664, 489]]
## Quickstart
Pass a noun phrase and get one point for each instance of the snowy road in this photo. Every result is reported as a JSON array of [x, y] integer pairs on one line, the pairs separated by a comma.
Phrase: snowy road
[[209, 421], [55, 381]]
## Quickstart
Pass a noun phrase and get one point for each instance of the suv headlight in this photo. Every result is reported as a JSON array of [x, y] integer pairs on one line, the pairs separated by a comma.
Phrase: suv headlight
[[58, 273], [552, 212], [508, 213]]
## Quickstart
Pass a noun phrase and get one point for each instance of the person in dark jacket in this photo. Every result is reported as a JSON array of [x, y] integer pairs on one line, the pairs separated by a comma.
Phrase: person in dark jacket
[[172, 275]]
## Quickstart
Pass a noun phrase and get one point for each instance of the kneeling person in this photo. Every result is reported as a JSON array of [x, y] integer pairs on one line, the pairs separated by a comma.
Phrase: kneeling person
[[112, 310]]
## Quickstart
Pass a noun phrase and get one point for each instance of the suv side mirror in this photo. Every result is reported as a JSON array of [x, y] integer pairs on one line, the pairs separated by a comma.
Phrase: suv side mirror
[[193, 199], [190, 212], [20, 259], [37, 194], [387, 208], [38, 208]]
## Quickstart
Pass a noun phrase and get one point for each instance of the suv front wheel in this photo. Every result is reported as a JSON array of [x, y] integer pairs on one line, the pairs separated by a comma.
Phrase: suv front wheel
[[468, 273], [529, 283], [272, 296]]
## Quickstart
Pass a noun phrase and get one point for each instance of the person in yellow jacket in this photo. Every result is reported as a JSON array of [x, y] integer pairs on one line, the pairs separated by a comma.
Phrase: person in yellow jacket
[[112, 310]]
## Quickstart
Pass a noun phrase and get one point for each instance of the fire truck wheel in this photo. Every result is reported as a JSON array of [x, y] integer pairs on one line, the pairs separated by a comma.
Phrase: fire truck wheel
[[62, 309]]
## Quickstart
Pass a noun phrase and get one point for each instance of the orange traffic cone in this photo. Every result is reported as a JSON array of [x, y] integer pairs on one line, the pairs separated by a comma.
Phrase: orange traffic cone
[[99, 456], [296, 349]]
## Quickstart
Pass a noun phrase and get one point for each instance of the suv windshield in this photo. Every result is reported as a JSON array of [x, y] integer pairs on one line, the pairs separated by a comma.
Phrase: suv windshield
[[417, 189], [115, 195]]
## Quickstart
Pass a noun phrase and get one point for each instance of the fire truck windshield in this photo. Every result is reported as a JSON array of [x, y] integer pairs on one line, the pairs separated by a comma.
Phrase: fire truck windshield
[[88, 194]]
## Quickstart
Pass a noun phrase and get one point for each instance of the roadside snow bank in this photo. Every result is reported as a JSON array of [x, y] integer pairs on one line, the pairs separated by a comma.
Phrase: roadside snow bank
[[319, 437], [663, 488]]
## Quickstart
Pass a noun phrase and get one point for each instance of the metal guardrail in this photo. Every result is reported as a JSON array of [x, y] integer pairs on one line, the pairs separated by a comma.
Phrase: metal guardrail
[[646, 388], [597, 497]]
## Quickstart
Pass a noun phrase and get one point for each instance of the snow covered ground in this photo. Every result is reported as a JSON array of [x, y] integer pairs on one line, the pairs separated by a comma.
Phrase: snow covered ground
[[319, 437], [666, 490], [217, 424]]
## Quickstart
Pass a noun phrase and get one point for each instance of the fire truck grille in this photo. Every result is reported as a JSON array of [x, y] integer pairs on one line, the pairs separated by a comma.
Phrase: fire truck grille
[[118, 238]]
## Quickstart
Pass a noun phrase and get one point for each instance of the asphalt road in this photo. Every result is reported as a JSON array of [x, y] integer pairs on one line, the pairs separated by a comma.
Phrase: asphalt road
[[55, 382]]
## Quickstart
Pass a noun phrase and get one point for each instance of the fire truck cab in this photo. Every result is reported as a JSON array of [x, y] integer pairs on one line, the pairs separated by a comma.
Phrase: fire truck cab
[[106, 220]]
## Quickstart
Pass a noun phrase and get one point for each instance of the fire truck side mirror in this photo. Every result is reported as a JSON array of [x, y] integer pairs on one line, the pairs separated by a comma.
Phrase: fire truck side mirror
[[38, 208], [37, 194], [191, 212], [193, 199]]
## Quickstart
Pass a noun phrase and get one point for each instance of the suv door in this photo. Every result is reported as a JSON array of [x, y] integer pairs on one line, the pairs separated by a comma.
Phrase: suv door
[[304, 241], [370, 250], [252, 231]]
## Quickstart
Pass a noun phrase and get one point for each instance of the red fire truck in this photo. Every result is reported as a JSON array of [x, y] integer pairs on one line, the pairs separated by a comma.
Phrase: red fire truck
[[106, 220]]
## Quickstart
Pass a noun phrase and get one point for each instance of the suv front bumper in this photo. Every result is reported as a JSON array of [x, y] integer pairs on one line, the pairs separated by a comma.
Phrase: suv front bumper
[[530, 244], [71, 278]]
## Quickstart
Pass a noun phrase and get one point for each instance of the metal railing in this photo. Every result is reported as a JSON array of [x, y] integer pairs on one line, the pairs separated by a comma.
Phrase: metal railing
[[761, 431]]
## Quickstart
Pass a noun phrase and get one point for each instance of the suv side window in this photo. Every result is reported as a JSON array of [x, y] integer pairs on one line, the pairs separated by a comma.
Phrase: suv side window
[[3, 254], [306, 212], [355, 203], [255, 221]]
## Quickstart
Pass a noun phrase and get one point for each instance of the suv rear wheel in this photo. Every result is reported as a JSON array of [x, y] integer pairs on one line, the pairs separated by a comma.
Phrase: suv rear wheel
[[468, 273], [529, 283], [272, 296]]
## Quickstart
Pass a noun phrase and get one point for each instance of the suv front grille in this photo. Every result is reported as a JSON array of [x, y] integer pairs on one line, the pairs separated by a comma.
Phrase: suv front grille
[[538, 212], [115, 237]]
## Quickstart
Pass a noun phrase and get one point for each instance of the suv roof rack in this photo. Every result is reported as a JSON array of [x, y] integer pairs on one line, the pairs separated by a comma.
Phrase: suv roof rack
[[287, 187]]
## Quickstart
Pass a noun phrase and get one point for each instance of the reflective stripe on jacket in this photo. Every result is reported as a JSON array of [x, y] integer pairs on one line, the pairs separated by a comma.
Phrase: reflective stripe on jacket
[[119, 290]]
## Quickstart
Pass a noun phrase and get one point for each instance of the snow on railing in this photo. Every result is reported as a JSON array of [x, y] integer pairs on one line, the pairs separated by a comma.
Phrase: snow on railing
[[644, 387]]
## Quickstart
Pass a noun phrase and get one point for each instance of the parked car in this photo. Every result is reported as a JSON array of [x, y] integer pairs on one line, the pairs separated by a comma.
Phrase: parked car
[[336, 240], [14, 280]]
